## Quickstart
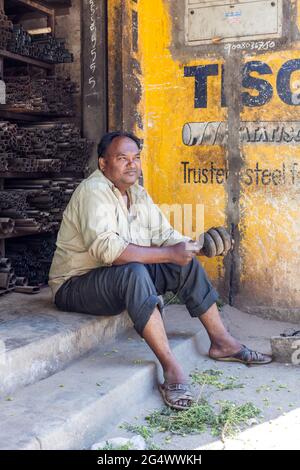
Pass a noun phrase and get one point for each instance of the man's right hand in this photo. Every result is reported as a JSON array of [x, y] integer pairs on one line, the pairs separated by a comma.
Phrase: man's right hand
[[182, 253]]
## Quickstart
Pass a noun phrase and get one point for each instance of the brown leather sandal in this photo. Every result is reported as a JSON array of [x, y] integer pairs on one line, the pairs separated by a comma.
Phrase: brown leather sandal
[[173, 393], [246, 356]]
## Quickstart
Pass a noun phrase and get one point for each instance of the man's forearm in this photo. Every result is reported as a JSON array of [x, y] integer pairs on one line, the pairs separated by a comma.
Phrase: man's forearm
[[145, 254]]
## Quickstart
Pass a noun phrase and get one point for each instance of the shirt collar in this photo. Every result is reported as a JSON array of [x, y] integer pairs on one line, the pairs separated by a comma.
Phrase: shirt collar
[[134, 188]]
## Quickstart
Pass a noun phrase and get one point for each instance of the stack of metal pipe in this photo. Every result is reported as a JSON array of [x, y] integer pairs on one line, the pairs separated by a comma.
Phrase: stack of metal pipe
[[7, 225], [35, 205], [32, 259], [7, 275], [51, 49], [13, 204], [50, 147], [9, 281], [5, 30], [8, 137], [4, 157], [61, 141], [8, 144], [44, 47], [18, 89], [20, 42], [47, 94]]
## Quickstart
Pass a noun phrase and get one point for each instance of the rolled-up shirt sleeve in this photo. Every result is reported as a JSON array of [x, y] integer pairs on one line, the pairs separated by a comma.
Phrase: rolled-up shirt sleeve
[[98, 227], [162, 232]]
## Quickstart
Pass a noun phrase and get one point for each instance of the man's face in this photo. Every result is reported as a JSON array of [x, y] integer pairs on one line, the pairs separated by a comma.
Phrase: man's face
[[122, 163]]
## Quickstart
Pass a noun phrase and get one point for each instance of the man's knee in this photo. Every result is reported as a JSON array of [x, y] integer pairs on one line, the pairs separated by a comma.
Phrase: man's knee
[[191, 274], [191, 267], [136, 273]]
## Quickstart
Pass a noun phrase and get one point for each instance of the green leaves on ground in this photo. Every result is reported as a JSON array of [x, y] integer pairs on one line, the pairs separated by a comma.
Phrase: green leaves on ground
[[200, 416], [213, 377]]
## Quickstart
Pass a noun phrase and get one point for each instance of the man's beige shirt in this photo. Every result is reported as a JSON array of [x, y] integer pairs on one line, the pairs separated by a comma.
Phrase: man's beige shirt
[[97, 227]]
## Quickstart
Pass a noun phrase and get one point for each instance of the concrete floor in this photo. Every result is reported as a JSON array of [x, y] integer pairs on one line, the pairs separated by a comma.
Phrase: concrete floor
[[273, 388], [70, 409]]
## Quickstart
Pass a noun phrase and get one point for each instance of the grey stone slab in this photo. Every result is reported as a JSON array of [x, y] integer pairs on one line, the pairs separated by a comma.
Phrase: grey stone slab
[[36, 339]]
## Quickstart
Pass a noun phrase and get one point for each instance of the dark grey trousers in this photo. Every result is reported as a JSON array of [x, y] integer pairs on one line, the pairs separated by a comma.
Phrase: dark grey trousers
[[136, 287]]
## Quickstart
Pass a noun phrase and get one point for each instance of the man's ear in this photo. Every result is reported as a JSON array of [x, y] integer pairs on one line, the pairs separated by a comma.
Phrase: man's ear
[[101, 163]]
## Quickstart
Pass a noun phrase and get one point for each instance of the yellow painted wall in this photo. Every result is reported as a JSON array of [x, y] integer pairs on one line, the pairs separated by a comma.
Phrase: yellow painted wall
[[168, 104], [269, 217], [270, 245]]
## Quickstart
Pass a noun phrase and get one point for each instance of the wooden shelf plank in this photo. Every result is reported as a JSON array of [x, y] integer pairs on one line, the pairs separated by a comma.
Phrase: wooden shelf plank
[[27, 60], [33, 5], [19, 114], [45, 175], [26, 234]]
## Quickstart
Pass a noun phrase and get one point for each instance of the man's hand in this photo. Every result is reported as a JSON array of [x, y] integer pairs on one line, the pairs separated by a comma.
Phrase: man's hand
[[216, 242], [182, 253]]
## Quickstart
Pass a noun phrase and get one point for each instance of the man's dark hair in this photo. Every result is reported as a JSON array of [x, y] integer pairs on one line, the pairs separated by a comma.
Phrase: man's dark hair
[[110, 136]]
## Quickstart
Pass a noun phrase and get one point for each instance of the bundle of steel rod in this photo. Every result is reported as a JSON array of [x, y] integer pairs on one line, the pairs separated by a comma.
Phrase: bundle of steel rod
[[15, 205], [21, 281], [5, 30], [31, 165], [26, 165], [20, 42], [6, 225], [45, 219], [8, 137], [18, 91], [58, 92], [16, 183], [51, 49], [7, 275], [69, 182], [34, 187], [10, 282], [27, 226], [24, 144], [40, 46], [43, 141], [50, 147], [32, 259], [45, 94], [16, 200], [45, 201], [61, 141], [4, 161]]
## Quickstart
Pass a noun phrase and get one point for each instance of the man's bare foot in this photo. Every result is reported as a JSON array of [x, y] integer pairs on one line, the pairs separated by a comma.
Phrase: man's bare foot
[[224, 347]]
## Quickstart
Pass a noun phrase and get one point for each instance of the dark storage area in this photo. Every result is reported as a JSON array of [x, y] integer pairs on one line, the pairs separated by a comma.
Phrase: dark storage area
[[43, 152]]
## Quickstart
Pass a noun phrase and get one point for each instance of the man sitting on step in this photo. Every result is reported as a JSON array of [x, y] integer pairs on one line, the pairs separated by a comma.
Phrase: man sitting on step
[[116, 251]]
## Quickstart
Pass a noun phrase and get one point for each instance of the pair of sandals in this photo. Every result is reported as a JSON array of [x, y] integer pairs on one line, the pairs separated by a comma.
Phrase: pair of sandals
[[179, 396]]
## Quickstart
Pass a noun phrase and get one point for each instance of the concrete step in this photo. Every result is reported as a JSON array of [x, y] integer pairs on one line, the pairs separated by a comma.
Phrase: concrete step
[[85, 402], [74, 407], [37, 340]]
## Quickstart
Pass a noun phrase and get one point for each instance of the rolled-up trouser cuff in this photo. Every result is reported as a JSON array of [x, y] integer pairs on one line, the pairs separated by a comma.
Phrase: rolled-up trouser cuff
[[207, 302], [141, 318]]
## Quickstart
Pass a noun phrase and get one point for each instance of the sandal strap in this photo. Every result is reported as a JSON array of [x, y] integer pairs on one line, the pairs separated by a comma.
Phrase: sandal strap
[[249, 355], [177, 386], [178, 391]]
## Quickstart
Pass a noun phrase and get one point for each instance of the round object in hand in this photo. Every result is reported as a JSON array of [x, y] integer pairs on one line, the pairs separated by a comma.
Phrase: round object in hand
[[218, 240], [209, 248], [227, 241]]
